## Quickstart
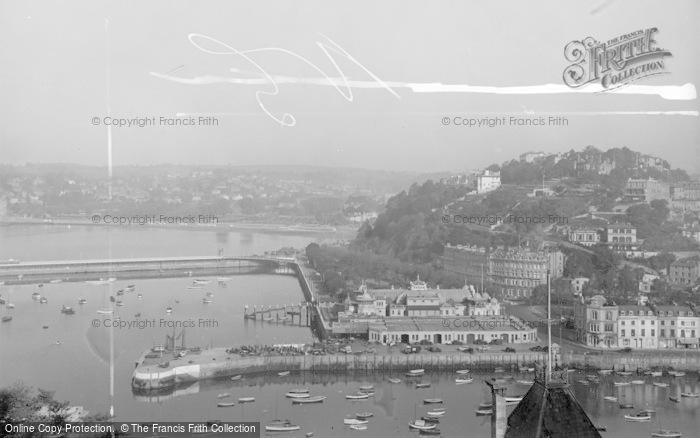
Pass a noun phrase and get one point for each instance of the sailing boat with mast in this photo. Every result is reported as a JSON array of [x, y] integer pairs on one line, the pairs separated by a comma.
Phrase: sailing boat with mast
[[104, 310]]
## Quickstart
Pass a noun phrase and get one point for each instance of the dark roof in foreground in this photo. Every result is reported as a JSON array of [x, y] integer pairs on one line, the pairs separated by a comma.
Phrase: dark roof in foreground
[[550, 411]]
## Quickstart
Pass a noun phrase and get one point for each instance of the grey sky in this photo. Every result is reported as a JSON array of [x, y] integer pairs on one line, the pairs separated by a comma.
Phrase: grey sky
[[54, 76]]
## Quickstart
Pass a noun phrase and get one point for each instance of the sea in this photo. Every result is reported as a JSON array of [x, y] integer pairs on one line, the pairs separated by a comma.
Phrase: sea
[[70, 354]]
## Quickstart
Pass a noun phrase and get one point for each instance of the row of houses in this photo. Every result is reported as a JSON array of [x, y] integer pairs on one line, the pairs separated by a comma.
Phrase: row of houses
[[607, 325], [514, 271]]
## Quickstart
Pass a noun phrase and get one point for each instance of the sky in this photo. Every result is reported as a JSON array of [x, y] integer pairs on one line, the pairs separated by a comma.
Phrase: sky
[[268, 72]]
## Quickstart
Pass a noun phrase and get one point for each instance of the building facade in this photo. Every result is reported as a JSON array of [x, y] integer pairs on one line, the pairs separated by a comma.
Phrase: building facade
[[595, 322], [637, 327], [647, 190], [684, 271], [584, 236]]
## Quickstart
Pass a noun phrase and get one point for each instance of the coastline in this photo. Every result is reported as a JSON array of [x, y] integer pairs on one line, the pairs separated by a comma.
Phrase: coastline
[[267, 228]]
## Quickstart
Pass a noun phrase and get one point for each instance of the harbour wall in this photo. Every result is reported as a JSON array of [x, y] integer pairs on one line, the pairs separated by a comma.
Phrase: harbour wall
[[672, 359], [330, 364], [43, 272]]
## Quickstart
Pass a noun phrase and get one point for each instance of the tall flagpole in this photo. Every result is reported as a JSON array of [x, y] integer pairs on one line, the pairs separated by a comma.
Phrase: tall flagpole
[[109, 187], [549, 329]]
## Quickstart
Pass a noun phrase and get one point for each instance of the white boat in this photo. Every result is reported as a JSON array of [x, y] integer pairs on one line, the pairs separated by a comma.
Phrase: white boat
[[315, 399], [10, 306], [223, 279], [82, 301], [238, 377], [357, 396], [358, 427], [656, 374], [423, 385], [43, 300], [364, 415], [282, 427], [101, 281], [511, 400], [201, 281], [246, 399], [610, 398], [462, 371], [603, 372], [638, 382], [169, 310], [666, 434], [435, 414], [58, 280], [690, 394], [195, 287], [624, 373], [395, 380], [120, 303], [484, 411], [224, 395], [432, 400], [417, 371], [638, 417], [660, 385], [420, 425], [299, 391], [525, 382], [206, 300], [105, 311], [296, 395], [283, 373], [139, 296], [225, 405], [366, 387], [463, 380], [354, 421], [677, 373]]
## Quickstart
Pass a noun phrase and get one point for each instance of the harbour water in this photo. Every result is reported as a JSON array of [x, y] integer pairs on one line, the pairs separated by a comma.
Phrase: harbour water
[[77, 368]]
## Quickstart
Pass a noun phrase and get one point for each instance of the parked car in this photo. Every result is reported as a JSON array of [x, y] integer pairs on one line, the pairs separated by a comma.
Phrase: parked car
[[425, 342], [625, 350], [411, 350], [496, 342], [469, 350], [434, 349], [479, 342], [537, 348], [457, 342], [509, 350]]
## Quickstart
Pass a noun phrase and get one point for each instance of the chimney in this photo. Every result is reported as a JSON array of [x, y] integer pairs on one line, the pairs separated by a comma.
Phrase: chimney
[[499, 419]]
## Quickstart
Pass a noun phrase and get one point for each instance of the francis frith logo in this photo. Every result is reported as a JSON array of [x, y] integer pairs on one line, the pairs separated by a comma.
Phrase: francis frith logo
[[615, 63]]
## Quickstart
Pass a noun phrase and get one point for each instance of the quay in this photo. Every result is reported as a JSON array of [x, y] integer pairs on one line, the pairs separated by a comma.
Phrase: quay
[[282, 315], [134, 268], [217, 363]]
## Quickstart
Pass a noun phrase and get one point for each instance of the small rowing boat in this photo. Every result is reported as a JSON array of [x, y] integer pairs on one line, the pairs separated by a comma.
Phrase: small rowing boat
[[366, 387], [626, 406], [420, 425], [358, 427], [430, 419], [395, 380], [463, 380], [364, 415], [246, 399], [354, 421], [673, 399], [315, 399], [238, 377], [296, 395], [660, 385], [638, 417], [462, 371], [225, 405], [484, 412], [690, 394], [638, 382], [417, 371], [299, 391], [666, 434], [429, 401], [435, 414], [279, 426], [423, 385], [283, 373], [224, 395], [357, 396], [610, 398]]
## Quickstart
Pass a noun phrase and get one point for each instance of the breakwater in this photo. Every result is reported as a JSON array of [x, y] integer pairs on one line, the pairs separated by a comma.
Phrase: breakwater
[[216, 364], [683, 360], [81, 270]]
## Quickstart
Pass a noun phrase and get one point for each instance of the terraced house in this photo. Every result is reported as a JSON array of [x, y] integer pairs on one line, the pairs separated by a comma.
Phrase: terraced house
[[601, 324]]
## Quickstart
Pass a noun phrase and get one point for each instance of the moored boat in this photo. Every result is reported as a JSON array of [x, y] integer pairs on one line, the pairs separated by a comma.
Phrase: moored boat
[[364, 415], [82, 301], [430, 419], [621, 383], [626, 406], [604, 372], [420, 425], [281, 427], [354, 421], [201, 281], [357, 396], [417, 371], [193, 287], [638, 382], [225, 405], [6, 318], [484, 412], [206, 300], [430, 432], [428, 401], [315, 399], [462, 380], [43, 300], [238, 377], [423, 385], [224, 395], [283, 373], [358, 427], [690, 394], [296, 395], [673, 399], [395, 380], [656, 374], [666, 434], [462, 371], [660, 385], [610, 398], [68, 310], [246, 399], [299, 391], [638, 417], [435, 414], [624, 373], [366, 387]]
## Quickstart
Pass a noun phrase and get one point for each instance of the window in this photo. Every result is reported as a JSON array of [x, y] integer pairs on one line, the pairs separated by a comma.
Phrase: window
[[673, 333], [632, 333], [663, 322], [622, 322], [643, 333], [622, 333], [653, 333], [643, 321], [663, 333]]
